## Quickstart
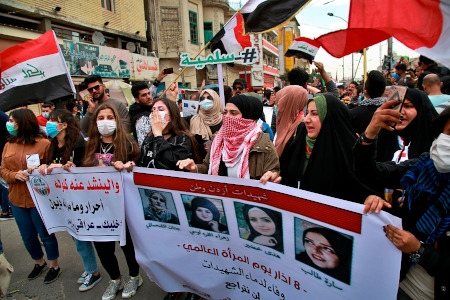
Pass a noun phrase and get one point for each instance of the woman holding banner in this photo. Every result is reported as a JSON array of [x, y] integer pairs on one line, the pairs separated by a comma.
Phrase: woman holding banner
[[67, 150], [318, 157], [110, 145], [240, 149], [169, 141], [425, 237], [25, 150]]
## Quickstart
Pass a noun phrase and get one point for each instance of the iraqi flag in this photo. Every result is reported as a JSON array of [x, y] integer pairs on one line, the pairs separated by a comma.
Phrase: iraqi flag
[[422, 25], [32, 72], [231, 38], [303, 48], [264, 15]]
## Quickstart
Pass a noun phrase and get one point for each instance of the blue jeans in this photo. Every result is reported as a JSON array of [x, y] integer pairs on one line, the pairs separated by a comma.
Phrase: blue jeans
[[5, 198], [30, 225], [87, 253]]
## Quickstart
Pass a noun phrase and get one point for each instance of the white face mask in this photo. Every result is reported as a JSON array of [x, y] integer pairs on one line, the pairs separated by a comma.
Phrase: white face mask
[[162, 114], [440, 153], [106, 127]]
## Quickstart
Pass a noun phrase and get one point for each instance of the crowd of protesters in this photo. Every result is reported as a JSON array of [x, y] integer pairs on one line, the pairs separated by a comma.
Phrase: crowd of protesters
[[347, 142]]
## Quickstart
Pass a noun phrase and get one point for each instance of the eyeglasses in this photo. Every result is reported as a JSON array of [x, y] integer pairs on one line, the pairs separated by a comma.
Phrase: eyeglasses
[[93, 88], [238, 87], [203, 98]]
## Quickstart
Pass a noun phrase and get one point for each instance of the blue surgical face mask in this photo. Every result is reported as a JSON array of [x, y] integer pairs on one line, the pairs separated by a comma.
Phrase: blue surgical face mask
[[10, 128], [206, 104], [45, 114], [52, 131]]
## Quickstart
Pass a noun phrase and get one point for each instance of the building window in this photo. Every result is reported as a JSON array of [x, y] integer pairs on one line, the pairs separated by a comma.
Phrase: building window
[[108, 5], [208, 31], [193, 27]]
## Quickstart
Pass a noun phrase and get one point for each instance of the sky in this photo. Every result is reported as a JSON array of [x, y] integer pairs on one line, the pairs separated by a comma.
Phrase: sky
[[314, 21]]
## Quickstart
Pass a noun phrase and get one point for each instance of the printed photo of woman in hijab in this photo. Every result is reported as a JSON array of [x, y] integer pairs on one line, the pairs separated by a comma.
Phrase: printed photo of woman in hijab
[[206, 213], [158, 206], [261, 225], [325, 250]]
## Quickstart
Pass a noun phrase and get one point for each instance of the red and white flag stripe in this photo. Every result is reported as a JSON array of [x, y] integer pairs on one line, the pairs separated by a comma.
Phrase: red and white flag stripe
[[34, 71]]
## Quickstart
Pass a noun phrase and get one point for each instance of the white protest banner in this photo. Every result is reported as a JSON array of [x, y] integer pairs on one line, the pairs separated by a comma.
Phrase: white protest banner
[[225, 238], [86, 202]]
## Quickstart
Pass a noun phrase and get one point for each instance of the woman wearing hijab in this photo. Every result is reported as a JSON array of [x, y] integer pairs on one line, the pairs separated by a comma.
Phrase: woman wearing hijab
[[327, 251], [205, 215], [239, 149], [412, 136], [266, 227], [207, 121], [318, 157], [424, 239], [291, 102], [157, 208]]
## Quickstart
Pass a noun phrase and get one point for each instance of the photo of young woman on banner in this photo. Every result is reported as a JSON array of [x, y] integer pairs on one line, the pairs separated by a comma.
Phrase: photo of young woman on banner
[[324, 249], [158, 206], [205, 213]]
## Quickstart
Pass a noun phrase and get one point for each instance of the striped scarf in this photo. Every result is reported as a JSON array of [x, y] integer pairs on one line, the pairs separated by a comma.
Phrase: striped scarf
[[232, 144], [428, 190]]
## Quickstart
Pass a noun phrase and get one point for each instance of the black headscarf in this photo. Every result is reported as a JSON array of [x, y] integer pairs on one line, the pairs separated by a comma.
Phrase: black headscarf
[[418, 132], [342, 246], [205, 203], [276, 218], [250, 107], [329, 170]]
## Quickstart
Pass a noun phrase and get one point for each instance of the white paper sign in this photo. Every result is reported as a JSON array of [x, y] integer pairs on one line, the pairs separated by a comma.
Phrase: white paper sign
[[86, 202]]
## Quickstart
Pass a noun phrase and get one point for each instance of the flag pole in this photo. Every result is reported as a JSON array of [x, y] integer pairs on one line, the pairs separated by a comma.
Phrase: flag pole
[[182, 71]]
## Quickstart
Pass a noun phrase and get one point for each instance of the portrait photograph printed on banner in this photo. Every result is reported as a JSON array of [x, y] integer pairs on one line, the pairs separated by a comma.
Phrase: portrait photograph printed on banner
[[260, 225], [324, 249], [158, 206], [205, 213]]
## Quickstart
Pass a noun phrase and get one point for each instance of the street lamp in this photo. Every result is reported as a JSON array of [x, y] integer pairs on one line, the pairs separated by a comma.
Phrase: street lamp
[[332, 15]]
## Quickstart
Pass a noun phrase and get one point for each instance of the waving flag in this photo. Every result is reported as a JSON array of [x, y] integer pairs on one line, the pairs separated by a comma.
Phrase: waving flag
[[33, 72], [264, 15], [231, 38], [371, 22], [303, 48]]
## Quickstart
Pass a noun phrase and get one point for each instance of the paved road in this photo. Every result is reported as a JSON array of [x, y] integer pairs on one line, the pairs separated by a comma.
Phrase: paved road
[[66, 286]]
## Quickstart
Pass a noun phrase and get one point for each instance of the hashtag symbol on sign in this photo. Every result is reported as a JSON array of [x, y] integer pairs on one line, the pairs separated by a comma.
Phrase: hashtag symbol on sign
[[248, 56]]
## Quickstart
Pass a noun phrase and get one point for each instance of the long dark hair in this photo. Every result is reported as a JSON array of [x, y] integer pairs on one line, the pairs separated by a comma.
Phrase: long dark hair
[[177, 125], [125, 148], [276, 218], [28, 127], [72, 133]]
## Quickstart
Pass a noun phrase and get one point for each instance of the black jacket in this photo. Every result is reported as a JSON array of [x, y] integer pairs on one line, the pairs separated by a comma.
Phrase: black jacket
[[435, 260]]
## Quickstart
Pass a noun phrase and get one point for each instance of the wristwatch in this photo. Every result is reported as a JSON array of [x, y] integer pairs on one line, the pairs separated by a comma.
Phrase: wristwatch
[[415, 256], [364, 139]]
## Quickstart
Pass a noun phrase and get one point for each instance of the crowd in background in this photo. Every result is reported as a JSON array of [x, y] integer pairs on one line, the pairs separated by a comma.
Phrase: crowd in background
[[323, 138]]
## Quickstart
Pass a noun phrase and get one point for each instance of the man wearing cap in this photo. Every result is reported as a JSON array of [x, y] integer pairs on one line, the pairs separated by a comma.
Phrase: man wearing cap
[[239, 87]]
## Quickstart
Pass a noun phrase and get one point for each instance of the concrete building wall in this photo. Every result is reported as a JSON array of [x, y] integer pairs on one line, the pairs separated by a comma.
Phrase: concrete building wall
[[126, 18]]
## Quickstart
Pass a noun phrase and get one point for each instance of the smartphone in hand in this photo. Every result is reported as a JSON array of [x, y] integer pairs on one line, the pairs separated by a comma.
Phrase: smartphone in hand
[[168, 71]]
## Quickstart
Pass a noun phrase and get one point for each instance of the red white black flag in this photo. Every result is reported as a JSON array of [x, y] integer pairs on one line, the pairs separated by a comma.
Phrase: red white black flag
[[264, 15], [32, 72]]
